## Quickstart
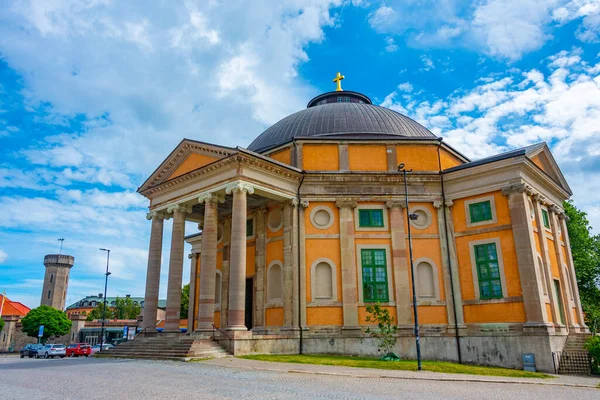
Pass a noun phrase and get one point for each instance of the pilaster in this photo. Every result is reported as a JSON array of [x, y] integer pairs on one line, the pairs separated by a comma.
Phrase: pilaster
[[192, 295], [260, 265], [153, 271], [302, 267], [400, 264], [225, 272], [348, 259], [290, 273]]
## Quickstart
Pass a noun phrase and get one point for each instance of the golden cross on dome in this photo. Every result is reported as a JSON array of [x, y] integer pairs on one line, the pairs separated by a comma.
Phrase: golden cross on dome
[[338, 80]]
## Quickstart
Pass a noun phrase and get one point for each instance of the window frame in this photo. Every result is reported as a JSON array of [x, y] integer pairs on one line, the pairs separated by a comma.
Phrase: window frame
[[384, 211], [250, 220], [436, 283], [477, 200], [390, 276], [475, 272], [546, 219]]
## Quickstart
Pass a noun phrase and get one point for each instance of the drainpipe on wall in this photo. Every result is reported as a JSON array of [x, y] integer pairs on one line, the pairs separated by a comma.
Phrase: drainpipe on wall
[[441, 172]]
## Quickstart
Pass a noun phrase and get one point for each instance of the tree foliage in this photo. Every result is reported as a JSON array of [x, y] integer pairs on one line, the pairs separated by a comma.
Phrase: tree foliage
[[593, 346], [386, 329], [1, 324], [185, 300], [96, 313], [126, 309], [586, 257], [55, 322]]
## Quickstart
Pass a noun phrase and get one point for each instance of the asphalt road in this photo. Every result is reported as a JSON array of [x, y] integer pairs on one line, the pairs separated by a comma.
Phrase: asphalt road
[[90, 378]]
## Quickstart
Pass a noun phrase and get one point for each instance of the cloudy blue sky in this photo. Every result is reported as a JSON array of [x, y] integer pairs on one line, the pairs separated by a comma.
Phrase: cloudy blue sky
[[95, 93]]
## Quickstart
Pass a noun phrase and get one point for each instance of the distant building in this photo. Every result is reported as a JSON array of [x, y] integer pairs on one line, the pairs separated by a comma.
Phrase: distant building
[[12, 312], [88, 303], [56, 280]]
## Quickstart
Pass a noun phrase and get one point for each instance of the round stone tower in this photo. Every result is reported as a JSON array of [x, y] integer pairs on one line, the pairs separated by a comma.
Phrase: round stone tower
[[56, 280]]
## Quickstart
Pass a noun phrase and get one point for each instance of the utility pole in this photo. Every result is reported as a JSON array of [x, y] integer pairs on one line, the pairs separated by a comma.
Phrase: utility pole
[[105, 287]]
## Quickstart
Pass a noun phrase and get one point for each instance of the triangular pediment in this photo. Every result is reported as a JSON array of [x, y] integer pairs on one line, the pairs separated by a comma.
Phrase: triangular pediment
[[187, 156], [541, 156]]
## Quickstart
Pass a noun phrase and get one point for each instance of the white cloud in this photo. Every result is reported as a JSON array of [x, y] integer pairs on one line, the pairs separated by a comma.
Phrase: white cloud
[[405, 87], [3, 256], [391, 45], [427, 62], [382, 18]]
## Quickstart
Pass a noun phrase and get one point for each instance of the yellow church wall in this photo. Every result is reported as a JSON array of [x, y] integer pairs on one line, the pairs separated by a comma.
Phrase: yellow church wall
[[367, 157], [310, 229], [274, 252], [536, 239], [494, 312], [501, 207], [432, 315], [274, 316], [509, 257], [549, 312], [284, 156], [218, 319], [538, 161], [419, 157], [250, 258], [194, 161], [553, 259], [448, 160], [320, 157], [432, 228], [323, 248], [324, 316], [362, 314]]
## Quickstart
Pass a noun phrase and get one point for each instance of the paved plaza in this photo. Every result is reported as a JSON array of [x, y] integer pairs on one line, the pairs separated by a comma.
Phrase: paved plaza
[[92, 378]]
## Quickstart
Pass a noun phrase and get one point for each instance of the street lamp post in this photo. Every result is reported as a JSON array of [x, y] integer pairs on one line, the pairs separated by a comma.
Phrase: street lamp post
[[412, 268], [105, 286]]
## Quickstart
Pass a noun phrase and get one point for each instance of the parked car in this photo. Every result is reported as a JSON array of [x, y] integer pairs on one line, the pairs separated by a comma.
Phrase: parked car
[[78, 349], [52, 350], [30, 350], [106, 346]]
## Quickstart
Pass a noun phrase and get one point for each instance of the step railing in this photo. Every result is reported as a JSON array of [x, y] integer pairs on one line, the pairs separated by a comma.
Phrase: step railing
[[572, 362], [215, 328]]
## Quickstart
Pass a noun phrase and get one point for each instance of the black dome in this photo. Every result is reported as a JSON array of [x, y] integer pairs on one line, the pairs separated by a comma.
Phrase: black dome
[[332, 119]]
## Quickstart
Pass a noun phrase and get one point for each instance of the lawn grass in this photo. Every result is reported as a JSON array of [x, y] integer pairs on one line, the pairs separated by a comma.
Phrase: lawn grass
[[403, 365]]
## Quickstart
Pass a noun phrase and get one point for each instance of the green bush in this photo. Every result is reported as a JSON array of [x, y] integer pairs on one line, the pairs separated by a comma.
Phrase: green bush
[[593, 346]]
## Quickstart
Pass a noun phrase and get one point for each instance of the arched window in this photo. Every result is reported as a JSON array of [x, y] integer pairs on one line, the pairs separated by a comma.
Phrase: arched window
[[274, 282], [93, 304], [85, 304], [323, 286], [426, 287], [218, 288]]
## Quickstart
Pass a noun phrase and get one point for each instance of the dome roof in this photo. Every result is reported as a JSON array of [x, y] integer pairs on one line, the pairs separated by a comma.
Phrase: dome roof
[[356, 117]]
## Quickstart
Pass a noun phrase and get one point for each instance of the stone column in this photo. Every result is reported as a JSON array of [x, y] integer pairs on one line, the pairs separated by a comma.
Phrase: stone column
[[348, 259], [260, 264], [175, 267], [225, 272], [237, 263], [546, 264], [400, 264], [533, 296], [153, 274], [571, 269], [208, 264], [290, 264], [564, 280], [192, 297], [302, 268]]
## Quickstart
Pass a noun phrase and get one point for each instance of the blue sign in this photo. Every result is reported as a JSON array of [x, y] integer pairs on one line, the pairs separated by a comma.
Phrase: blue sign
[[41, 331], [125, 332], [529, 362]]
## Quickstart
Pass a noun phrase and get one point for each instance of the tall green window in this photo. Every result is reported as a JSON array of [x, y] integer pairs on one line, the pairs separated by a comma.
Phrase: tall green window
[[370, 218], [374, 275], [545, 218], [249, 227], [480, 211], [488, 271]]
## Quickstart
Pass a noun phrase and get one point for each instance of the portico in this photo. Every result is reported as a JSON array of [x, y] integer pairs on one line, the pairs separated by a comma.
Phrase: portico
[[240, 185]]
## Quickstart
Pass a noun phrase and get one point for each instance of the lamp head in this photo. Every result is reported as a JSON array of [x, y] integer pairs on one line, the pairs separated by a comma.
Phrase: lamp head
[[400, 166], [413, 216]]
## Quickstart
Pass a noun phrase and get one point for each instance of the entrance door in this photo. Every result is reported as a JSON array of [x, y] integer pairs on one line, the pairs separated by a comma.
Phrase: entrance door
[[249, 303]]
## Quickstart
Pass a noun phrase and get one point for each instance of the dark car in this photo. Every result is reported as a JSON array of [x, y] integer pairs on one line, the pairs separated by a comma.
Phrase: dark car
[[30, 350]]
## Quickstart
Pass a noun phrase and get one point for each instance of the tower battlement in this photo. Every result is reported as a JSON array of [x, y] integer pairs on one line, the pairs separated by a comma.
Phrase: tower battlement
[[59, 260]]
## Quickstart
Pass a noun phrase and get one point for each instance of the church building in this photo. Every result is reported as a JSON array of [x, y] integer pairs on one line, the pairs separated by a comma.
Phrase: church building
[[302, 230]]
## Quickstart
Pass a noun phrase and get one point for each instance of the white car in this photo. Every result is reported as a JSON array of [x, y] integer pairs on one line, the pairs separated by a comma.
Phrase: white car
[[52, 350], [105, 346]]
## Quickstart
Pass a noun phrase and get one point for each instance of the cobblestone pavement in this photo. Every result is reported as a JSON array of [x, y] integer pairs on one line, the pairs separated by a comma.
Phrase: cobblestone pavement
[[83, 378]]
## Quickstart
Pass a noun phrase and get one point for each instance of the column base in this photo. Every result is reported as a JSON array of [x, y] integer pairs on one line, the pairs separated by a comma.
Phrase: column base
[[538, 327], [462, 330], [239, 334], [171, 333]]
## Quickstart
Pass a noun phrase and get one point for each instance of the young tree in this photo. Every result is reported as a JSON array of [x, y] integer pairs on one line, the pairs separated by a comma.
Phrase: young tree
[[386, 330], [585, 248], [185, 300], [96, 313], [1, 324], [126, 309], [55, 322]]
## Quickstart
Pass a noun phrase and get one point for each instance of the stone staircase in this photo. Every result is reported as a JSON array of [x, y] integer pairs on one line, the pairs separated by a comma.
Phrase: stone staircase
[[181, 348], [574, 359]]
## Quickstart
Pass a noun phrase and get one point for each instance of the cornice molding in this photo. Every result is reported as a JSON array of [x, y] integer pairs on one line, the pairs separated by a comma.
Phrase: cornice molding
[[349, 203], [395, 203]]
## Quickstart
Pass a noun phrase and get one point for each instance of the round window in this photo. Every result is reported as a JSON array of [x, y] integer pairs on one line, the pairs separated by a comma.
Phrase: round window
[[321, 217]]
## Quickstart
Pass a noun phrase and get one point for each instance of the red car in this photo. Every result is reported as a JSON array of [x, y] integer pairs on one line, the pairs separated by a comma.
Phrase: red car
[[79, 349]]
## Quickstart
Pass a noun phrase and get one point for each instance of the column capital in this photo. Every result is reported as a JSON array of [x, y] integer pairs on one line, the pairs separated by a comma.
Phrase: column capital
[[179, 207], [155, 215], [239, 186], [193, 256], [292, 202], [350, 203], [395, 203], [555, 209], [563, 216], [211, 198], [304, 203]]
